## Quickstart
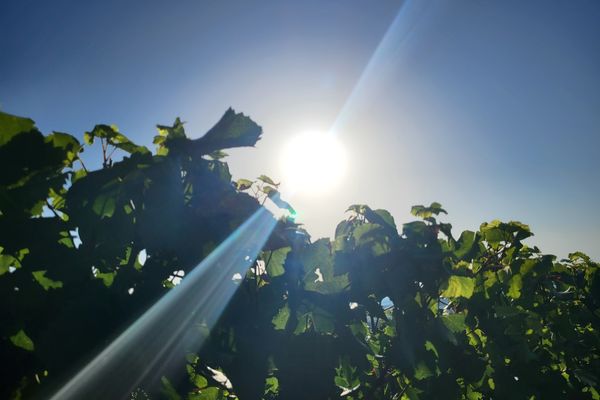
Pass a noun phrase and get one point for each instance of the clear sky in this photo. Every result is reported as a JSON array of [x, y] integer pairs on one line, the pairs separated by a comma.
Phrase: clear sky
[[490, 107]]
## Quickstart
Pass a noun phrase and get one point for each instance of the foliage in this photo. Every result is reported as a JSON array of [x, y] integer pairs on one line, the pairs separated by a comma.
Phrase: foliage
[[371, 314]]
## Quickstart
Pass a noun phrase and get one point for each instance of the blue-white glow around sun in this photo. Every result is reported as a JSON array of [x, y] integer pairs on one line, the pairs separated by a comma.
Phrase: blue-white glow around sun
[[313, 164]]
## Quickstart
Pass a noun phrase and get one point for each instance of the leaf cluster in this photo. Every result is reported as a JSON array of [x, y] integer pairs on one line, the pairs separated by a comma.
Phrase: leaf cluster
[[380, 311]]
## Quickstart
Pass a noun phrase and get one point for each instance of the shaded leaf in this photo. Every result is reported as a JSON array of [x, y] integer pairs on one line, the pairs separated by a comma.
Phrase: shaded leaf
[[280, 320], [455, 322], [167, 390], [45, 282], [20, 339], [275, 261], [426, 212], [232, 130], [11, 125]]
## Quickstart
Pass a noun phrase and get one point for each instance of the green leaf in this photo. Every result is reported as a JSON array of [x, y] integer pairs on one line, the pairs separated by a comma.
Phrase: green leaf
[[465, 244], [271, 385], [387, 218], [422, 371], [11, 125], [372, 236], [363, 234], [104, 205], [115, 138], [168, 136], [310, 317], [455, 322], [167, 390], [578, 256], [427, 212], [275, 261], [459, 286], [520, 229], [415, 228], [78, 174], [318, 269], [45, 282], [269, 191], [243, 184], [267, 180], [515, 284], [199, 381], [343, 236], [412, 393], [431, 347], [7, 261], [346, 377], [357, 208], [344, 228], [232, 130], [20, 339], [88, 138], [280, 320], [106, 277], [170, 132], [497, 231], [209, 393], [67, 143]]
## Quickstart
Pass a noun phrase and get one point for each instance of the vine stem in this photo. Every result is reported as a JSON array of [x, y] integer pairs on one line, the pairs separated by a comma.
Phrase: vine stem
[[82, 164]]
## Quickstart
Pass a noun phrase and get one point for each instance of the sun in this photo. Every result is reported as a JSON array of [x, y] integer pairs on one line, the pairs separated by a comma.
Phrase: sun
[[313, 164]]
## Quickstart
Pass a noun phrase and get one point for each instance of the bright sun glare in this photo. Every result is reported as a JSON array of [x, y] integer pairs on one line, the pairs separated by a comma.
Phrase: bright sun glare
[[313, 163]]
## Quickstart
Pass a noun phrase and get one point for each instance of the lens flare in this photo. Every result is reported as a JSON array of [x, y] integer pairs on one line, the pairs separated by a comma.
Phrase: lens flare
[[313, 164], [158, 341]]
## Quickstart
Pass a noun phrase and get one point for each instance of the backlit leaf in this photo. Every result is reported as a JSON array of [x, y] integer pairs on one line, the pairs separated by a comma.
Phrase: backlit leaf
[[514, 286], [275, 260], [11, 125], [459, 286], [267, 180], [232, 130]]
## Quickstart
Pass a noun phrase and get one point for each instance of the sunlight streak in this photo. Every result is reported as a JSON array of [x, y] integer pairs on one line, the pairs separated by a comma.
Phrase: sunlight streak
[[397, 34], [161, 337]]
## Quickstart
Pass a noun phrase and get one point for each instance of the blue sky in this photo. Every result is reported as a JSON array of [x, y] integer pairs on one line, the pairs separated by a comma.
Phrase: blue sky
[[490, 107]]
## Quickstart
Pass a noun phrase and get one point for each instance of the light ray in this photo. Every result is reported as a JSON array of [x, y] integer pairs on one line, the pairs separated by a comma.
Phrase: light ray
[[397, 35], [161, 337]]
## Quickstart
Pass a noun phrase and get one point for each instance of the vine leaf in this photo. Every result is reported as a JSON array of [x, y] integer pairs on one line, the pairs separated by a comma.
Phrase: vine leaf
[[459, 286], [267, 180], [45, 282], [515, 284], [276, 260], [113, 137], [11, 125], [20, 339], [232, 130], [280, 319], [243, 184]]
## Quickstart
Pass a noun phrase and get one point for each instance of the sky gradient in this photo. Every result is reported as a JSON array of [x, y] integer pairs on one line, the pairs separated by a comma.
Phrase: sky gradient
[[490, 107]]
